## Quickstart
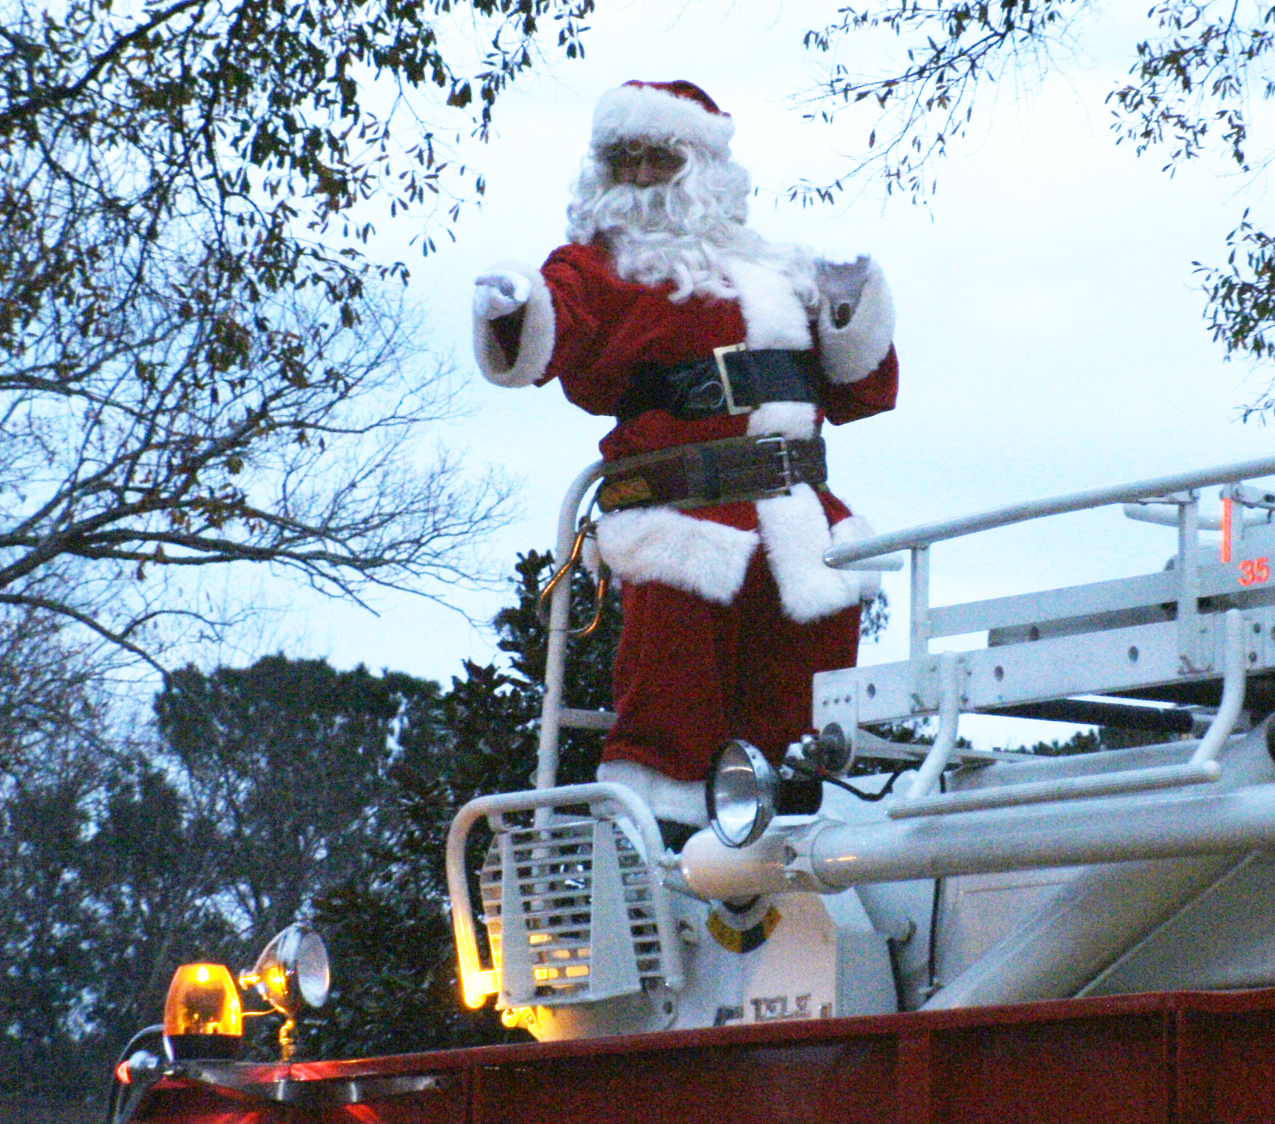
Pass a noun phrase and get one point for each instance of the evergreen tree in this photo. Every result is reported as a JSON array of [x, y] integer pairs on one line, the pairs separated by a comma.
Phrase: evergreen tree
[[290, 760]]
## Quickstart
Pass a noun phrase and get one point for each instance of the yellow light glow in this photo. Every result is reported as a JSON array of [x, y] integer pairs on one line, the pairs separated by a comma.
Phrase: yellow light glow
[[202, 999], [276, 982], [577, 970], [476, 985], [543, 974]]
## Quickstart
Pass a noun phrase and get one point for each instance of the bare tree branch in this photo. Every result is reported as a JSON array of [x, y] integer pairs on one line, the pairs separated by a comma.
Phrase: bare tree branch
[[188, 377]]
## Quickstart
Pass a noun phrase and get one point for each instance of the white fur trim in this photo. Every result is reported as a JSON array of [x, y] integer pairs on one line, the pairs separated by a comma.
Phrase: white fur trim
[[795, 534], [643, 113], [794, 420], [854, 352], [679, 801], [535, 344], [659, 544], [590, 558], [773, 313]]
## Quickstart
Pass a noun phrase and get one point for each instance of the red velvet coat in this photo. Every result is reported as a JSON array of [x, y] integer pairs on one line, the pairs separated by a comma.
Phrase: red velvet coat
[[591, 331]]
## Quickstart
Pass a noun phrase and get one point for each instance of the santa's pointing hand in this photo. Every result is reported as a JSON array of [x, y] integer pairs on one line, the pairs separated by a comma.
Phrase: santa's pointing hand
[[499, 292]]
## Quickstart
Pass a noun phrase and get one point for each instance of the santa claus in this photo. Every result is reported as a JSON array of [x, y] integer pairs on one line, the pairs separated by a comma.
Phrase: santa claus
[[720, 355]]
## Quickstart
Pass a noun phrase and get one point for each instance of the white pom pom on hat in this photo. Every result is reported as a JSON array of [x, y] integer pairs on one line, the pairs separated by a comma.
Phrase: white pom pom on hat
[[661, 112]]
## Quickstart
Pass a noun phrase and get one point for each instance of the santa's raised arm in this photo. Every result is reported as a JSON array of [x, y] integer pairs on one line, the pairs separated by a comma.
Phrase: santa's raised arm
[[725, 353]]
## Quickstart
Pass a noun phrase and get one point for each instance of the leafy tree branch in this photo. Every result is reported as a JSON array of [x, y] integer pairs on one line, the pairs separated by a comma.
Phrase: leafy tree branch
[[199, 363]]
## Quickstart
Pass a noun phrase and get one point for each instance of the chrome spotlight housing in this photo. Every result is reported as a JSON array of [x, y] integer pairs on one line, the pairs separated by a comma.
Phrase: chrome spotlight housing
[[740, 793], [292, 971]]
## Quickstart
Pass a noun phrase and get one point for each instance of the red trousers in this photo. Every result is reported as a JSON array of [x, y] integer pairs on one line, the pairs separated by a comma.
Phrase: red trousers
[[690, 674]]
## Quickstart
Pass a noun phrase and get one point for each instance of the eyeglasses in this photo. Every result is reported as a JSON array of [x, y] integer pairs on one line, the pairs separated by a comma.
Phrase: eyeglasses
[[628, 158]]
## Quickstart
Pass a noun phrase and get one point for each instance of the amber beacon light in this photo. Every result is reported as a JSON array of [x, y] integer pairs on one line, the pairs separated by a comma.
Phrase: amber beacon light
[[202, 1014]]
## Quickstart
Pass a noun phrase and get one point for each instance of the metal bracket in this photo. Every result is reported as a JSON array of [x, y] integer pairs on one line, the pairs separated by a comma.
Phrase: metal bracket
[[951, 675], [1202, 768]]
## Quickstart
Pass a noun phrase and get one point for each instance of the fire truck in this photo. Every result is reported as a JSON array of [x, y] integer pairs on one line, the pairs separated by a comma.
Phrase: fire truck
[[959, 935]]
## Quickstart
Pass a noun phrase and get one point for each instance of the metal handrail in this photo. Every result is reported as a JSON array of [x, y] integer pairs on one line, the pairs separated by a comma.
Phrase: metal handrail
[[559, 623], [923, 536]]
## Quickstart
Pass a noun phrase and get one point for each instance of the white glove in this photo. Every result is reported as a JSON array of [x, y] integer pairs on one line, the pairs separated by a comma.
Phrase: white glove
[[500, 292]]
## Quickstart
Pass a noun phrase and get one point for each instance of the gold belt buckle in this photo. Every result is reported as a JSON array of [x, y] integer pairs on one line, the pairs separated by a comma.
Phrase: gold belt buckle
[[719, 355]]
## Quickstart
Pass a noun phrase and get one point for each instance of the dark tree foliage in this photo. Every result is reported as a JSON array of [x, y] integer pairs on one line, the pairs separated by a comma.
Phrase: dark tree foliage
[[1194, 79], [118, 863], [100, 871], [290, 759], [199, 363], [875, 617]]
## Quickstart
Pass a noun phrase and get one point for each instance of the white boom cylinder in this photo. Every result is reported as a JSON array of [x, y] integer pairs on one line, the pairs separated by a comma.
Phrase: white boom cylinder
[[1083, 832], [833, 857], [1081, 931]]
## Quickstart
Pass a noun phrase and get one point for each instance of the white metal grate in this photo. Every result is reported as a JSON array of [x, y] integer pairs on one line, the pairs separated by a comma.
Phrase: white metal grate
[[570, 913]]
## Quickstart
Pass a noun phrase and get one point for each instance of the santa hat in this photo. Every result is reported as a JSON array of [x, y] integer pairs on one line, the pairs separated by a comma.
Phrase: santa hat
[[661, 112]]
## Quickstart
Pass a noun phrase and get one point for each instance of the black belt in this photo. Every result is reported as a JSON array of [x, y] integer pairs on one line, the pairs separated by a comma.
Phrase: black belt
[[734, 380], [710, 472]]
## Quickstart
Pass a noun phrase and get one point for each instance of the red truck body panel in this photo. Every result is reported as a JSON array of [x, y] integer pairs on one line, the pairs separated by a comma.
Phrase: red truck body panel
[[1180, 1057]]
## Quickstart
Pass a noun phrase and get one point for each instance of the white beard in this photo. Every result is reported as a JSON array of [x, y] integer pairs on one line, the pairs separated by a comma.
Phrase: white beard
[[683, 231]]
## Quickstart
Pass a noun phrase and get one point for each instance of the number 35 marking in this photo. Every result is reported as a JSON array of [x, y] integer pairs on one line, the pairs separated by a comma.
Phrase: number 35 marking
[[1253, 571]]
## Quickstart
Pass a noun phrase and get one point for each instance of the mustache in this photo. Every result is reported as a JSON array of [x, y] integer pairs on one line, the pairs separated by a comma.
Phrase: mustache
[[647, 210]]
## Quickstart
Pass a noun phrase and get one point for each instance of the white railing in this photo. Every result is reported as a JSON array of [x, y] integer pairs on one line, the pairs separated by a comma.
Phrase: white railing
[[1178, 489], [1081, 629], [559, 623]]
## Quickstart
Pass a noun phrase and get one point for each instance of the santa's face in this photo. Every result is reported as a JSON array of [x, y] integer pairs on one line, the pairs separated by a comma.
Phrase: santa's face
[[670, 218], [642, 165]]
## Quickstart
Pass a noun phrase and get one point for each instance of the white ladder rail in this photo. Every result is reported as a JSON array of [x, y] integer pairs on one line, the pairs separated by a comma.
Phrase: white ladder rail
[[559, 624], [1180, 489], [935, 681]]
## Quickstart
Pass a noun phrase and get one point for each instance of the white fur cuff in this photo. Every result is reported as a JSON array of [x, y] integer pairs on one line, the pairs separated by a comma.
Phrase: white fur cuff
[[679, 801], [795, 533], [535, 343], [658, 544], [855, 351]]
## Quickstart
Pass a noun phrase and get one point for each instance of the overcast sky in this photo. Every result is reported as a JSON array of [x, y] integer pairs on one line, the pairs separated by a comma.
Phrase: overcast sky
[[1049, 321]]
